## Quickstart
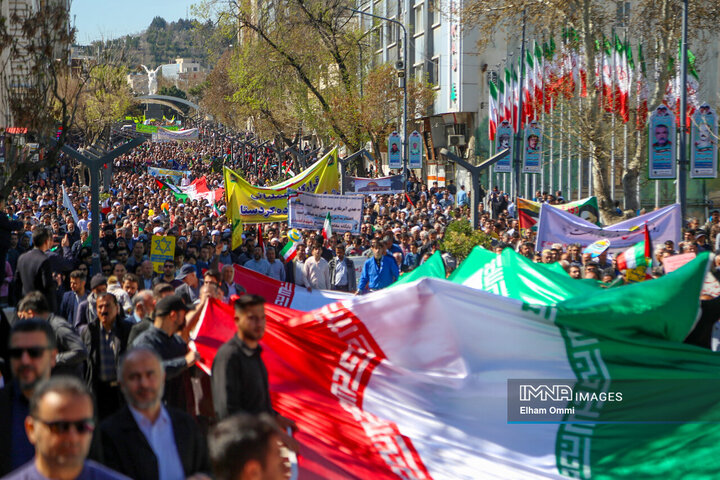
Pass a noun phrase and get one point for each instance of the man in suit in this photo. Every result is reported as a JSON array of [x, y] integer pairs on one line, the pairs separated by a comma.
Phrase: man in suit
[[342, 271], [34, 271], [145, 439], [105, 340]]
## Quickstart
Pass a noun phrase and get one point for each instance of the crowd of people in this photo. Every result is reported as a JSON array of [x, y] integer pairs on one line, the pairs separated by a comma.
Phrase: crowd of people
[[116, 341]]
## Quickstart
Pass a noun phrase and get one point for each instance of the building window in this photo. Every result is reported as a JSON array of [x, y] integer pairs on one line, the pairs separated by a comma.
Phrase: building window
[[435, 71], [418, 71], [419, 20], [391, 33], [434, 11]]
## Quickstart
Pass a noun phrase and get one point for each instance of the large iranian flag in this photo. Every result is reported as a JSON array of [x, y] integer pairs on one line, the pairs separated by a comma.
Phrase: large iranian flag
[[412, 382]]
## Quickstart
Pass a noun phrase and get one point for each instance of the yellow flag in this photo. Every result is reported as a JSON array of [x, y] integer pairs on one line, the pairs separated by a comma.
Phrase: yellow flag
[[233, 214]]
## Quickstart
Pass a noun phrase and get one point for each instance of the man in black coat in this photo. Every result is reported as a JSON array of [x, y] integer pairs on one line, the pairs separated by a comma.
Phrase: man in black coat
[[34, 271], [6, 226], [105, 340], [146, 440]]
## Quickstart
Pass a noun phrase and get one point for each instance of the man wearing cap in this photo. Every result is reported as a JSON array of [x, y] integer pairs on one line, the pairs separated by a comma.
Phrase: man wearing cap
[[86, 310], [189, 291], [163, 338]]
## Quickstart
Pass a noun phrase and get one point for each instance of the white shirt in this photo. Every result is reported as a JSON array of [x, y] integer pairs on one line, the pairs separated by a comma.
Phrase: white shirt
[[317, 273], [161, 438]]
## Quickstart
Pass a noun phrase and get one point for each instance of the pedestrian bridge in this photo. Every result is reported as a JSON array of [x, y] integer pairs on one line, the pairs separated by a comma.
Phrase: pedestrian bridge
[[168, 101]]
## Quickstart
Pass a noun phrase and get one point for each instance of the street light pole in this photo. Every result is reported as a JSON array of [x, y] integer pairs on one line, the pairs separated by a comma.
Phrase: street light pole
[[681, 188], [519, 135], [402, 74]]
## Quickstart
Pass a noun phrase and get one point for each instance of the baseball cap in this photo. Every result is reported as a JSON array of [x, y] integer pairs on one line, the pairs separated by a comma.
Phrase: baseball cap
[[186, 270], [171, 303]]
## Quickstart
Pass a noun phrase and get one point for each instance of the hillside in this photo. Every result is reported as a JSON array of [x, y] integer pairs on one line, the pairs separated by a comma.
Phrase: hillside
[[162, 42]]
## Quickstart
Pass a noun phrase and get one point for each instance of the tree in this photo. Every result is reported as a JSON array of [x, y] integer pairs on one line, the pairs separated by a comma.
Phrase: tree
[[172, 91], [655, 23]]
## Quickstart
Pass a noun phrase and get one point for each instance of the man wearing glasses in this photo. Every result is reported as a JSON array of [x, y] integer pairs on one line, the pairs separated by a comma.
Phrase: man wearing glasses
[[32, 357], [60, 426]]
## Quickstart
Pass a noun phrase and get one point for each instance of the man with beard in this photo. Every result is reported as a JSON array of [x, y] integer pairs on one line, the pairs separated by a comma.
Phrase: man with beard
[[87, 309], [239, 377], [258, 263], [145, 439], [162, 337], [32, 357]]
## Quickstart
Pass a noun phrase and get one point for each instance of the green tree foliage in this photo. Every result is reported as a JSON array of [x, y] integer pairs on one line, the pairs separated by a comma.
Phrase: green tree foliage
[[460, 238], [172, 91]]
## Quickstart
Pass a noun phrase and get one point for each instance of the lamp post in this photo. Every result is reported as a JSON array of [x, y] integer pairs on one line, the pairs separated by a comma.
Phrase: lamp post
[[95, 164], [681, 188], [402, 74], [475, 171]]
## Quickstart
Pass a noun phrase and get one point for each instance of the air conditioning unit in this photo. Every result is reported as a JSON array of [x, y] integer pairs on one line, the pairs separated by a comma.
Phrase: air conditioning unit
[[456, 140]]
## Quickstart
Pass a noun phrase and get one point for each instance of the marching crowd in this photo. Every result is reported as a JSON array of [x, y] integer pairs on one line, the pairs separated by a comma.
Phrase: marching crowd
[[120, 336]]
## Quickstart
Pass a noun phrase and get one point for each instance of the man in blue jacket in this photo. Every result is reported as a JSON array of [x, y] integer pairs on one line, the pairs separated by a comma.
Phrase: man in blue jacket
[[379, 271]]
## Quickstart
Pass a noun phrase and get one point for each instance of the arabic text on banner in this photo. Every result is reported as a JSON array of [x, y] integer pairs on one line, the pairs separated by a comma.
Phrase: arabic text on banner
[[308, 210], [270, 204]]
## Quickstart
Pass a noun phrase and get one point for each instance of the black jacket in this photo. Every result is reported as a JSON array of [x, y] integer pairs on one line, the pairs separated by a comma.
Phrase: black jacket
[[34, 272], [91, 339], [124, 448]]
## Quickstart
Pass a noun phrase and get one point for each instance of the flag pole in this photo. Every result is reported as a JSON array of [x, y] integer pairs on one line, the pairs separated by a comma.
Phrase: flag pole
[[560, 147], [552, 142], [518, 133], [579, 156], [681, 191], [612, 119]]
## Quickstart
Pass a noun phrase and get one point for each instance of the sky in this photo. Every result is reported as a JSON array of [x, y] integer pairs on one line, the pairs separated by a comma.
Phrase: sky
[[103, 19]]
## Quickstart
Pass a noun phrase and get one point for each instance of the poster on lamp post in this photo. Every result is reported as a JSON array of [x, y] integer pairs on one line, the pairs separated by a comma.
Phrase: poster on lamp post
[[532, 152], [415, 150], [394, 150], [661, 144], [503, 140], [703, 143]]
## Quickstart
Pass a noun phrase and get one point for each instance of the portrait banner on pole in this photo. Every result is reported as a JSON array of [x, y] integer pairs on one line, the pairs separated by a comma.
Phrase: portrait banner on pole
[[661, 144], [415, 150], [703, 143], [309, 211], [503, 140], [367, 186], [394, 150], [532, 153]]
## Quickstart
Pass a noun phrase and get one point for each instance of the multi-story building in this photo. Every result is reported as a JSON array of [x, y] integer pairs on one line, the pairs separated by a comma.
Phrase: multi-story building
[[444, 53]]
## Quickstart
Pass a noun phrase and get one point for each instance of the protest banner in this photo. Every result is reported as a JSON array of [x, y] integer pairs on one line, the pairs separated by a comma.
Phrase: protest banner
[[161, 248], [270, 204], [529, 211], [703, 143], [377, 394], [174, 175], [661, 144], [673, 262], [167, 135], [368, 186], [558, 226], [309, 210]]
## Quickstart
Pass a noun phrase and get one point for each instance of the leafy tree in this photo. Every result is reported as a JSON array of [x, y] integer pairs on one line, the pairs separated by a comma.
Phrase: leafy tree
[[460, 238], [172, 91]]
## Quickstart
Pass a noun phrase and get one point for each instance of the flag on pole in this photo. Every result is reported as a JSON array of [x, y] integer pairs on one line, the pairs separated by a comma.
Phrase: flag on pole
[[643, 92], [529, 87], [289, 251], [177, 192], [493, 112], [260, 240], [327, 227], [634, 257], [538, 73], [233, 216], [500, 99], [68, 204], [507, 102], [622, 80]]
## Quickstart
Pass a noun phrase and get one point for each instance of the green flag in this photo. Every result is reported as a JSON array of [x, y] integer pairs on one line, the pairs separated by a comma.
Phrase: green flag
[[432, 267]]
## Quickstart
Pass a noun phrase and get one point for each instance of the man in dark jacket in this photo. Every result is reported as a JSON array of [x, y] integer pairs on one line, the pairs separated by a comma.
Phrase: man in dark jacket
[[144, 439], [342, 271], [34, 271], [6, 226], [105, 340]]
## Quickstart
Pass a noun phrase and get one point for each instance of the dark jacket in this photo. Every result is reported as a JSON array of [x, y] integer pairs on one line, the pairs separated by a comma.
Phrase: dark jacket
[[34, 272], [352, 283], [125, 449], [91, 339]]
